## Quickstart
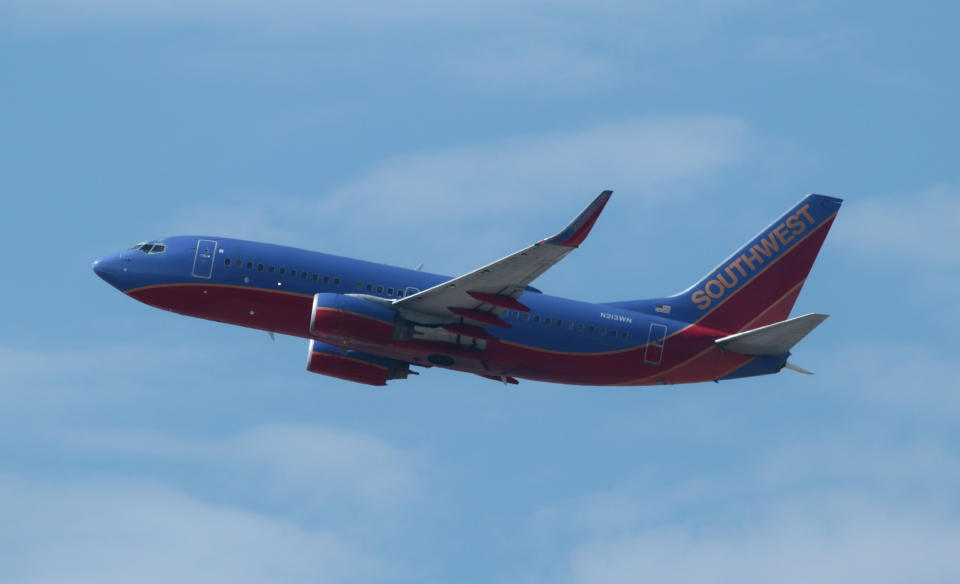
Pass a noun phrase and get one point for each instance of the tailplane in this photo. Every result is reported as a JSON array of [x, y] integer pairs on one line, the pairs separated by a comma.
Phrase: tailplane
[[773, 339]]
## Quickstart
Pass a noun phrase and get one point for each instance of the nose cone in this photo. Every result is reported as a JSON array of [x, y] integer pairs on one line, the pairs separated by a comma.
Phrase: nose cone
[[110, 269]]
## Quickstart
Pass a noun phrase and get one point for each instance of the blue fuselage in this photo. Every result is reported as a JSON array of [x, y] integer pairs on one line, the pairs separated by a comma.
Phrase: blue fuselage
[[272, 287]]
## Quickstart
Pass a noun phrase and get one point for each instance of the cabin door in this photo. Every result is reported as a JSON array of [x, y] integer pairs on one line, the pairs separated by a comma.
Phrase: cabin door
[[203, 260], [653, 354]]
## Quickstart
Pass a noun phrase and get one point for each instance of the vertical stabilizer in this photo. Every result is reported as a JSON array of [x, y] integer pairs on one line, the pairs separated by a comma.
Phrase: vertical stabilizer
[[759, 283]]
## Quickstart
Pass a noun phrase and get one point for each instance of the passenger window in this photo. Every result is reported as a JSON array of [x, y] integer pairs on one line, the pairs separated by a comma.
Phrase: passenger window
[[603, 332], [259, 267], [570, 325], [283, 271], [226, 262], [536, 318], [559, 323], [249, 265], [526, 317], [270, 269], [359, 285], [389, 291], [316, 277], [293, 273], [580, 328], [326, 279], [546, 320], [593, 329], [369, 287], [303, 275], [613, 333], [238, 262], [399, 292], [379, 289], [515, 315], [624, 335], [336, 281]]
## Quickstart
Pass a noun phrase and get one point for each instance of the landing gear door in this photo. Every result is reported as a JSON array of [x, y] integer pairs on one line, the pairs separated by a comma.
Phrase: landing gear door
[[653, 354], [203, 260]]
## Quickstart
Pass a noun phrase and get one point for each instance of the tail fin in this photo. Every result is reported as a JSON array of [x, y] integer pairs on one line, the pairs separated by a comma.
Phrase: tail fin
[[759, 283]]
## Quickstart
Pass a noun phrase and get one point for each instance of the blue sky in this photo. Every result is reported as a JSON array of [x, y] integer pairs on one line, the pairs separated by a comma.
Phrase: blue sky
[[139, 445]]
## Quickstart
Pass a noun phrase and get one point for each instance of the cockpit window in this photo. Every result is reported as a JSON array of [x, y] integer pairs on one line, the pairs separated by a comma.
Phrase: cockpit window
[[148, 247]]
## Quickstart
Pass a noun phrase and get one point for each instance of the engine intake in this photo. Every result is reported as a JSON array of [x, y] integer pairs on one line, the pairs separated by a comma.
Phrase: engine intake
[[327, 359]]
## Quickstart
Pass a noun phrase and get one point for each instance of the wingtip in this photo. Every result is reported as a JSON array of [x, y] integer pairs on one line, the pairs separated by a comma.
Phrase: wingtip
[[577, 231]]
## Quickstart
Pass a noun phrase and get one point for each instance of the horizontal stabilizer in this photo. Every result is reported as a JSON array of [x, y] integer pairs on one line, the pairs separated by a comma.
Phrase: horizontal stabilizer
[[774, 339]]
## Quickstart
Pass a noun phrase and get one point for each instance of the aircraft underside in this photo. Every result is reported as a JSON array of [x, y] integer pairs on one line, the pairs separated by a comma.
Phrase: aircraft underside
[[688, 357]]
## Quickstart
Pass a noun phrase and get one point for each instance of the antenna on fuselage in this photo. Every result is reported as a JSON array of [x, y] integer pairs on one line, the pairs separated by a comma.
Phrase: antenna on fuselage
[[420, 266]]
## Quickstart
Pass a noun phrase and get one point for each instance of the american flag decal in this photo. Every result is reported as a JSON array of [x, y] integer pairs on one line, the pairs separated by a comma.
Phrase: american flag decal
[[663, 308]]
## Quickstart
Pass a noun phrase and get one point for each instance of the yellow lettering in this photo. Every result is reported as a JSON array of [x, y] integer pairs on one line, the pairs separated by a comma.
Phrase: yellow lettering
[[768, 245], [753, 257], [717, 285], [795, 224], [805, 211], [724, 281], [701, 299], [736, 264], [781, 232]]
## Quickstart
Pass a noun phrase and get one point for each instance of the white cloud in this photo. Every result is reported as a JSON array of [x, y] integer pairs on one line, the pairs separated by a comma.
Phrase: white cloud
[[920, 227], [291, 15], [108, 532], [331, 462], [71, 375], [21, 363], [812, 48], [319, 463], [532, 68], [529, 46], [427, 198], [823, 510], [912, 378], [908, 243], [841, 537], [245, 220], [640, 157]]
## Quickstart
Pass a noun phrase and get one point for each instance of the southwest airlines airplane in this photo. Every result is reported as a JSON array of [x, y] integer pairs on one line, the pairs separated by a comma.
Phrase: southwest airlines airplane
[[368, 322]]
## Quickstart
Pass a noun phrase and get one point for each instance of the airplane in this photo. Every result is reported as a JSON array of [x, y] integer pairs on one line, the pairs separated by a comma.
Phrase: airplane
[[369, 323]]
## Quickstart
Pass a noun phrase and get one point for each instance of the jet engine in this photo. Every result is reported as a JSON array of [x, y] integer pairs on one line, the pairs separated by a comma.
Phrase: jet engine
[[327, 359], [348, 319]]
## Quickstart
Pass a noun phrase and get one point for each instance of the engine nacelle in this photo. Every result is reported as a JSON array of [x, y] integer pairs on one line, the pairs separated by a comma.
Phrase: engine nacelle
[[327, 359], [348, 319]]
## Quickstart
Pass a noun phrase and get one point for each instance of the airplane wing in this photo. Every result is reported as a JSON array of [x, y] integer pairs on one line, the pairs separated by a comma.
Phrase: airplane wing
[[482, 294]]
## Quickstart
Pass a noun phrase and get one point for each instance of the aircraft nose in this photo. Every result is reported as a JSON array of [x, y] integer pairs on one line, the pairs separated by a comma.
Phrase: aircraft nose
[[109, 269], [98, 268]]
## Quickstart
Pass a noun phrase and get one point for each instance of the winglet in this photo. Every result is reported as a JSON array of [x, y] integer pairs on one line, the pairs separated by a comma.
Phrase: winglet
[[577, 231]]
